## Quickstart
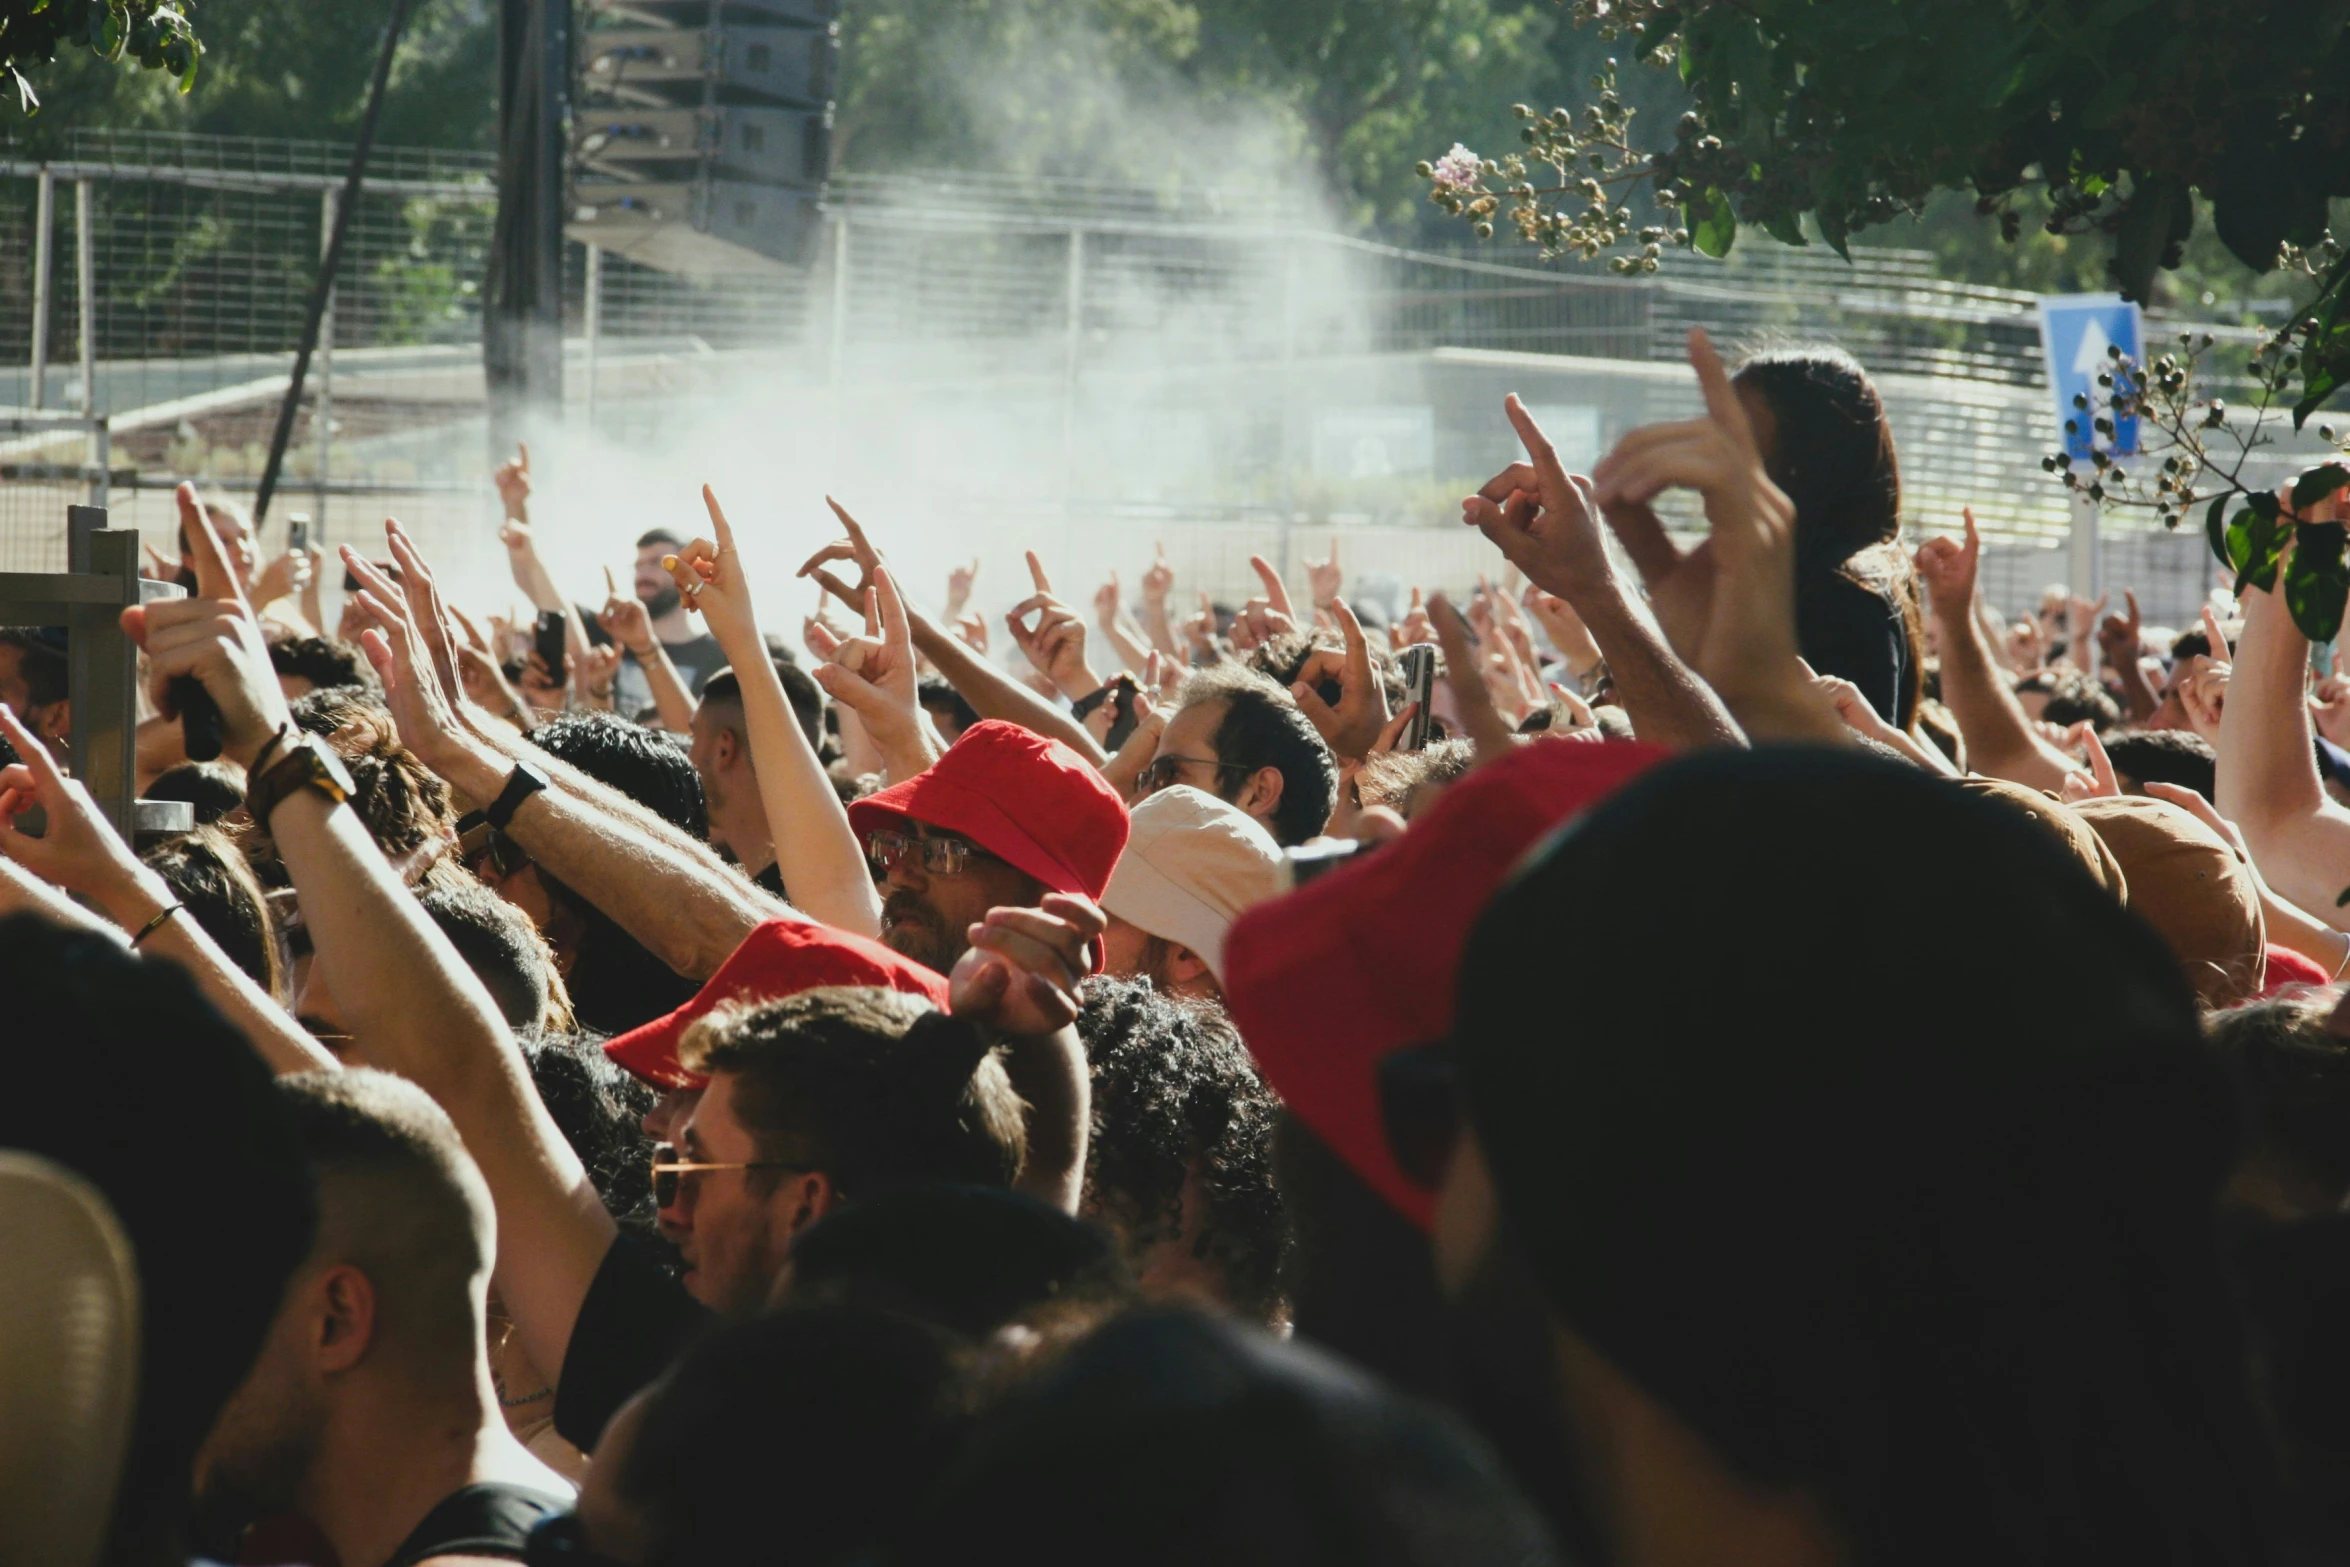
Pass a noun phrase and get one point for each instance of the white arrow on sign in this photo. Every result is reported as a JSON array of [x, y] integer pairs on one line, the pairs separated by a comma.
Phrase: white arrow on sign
[[2088, 363]]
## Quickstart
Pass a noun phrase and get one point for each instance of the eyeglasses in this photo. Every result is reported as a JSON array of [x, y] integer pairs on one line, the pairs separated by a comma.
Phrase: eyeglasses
[[558, 1541], [938, 856], [1168, 769], [669, 1173], [1420, 1112], [488, 852]]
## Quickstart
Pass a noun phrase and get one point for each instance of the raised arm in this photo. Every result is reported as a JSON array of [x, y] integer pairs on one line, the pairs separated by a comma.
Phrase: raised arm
[[1545, 522], [414, 1007], [995, 694], [816, 851], [624, 620], [80, 852], [1019, 981], [2000, 741], [663, 887], [2268, 783]]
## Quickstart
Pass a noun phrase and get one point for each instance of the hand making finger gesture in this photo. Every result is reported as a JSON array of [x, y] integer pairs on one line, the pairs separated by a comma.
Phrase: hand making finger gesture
[[213, 638], [1352, 727], [856, 549], [710, 579], [1055, 644], [1021, 974]]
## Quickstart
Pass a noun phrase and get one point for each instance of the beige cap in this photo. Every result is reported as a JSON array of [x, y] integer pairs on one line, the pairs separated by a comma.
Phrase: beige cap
[[1192, 864]]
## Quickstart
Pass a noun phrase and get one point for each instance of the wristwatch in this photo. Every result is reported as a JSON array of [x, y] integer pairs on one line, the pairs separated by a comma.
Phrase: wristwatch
[[303, 764], [521, 784]]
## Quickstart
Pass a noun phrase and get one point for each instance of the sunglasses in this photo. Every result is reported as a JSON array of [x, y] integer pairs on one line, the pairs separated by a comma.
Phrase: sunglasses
[[937, 856], [1165, 770], [669, 1172], [488, 852], [1420, 1111]]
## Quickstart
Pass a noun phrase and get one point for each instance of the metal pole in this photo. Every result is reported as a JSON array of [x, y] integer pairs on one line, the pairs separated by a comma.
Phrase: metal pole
[[1289, 303], [85, 278], [44, 219], [102, 666], [334, 255], [322, 421], [1069, 370], [592, 310], [2087, 557]]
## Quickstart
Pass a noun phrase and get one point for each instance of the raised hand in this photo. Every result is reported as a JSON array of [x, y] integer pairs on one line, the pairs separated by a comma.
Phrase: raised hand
[[1353, 727], [711, 581], [1542, 518], [1325, 578], [1415, 627], [1021, 974], [873, 675], [2203, 694], [2100, 782], [1055, 645], [513, 482], [78, 851], [1948, 569], [2118, 636], [484, 680], [1484, 725], [1200, 629], [596, 669], [1159, 580], [959, 580], [2329, 705], [283, 577], [421, 592], [1563, 627], [213, 638], [625, 619], [1106, 600], [396, 645], [1276, 593], [973, 630], [857, 550]]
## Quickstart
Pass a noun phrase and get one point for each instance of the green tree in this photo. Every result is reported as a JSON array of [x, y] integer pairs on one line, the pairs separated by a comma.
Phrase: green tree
[[152, 33]]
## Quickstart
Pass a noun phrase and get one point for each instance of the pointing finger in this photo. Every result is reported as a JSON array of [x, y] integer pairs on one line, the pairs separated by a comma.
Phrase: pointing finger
[[611, 588], [522, 454], [1721, 399], [1044, 584], [725, 533]]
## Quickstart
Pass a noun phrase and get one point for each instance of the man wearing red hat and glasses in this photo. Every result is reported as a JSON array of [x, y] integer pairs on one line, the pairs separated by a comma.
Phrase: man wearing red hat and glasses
[[1005, 817]]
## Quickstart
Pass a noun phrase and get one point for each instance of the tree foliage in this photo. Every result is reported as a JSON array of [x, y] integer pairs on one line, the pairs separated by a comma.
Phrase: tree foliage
[[2126, 117], [153, 33]]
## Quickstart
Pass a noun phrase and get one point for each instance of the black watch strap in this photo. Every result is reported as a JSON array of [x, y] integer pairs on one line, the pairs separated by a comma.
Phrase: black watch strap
[[521, 784]]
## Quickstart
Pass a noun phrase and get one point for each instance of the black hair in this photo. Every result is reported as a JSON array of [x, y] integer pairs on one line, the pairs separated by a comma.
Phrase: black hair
[[43, 666], [208, 873], [213, 788], [2172, 756], [1281, 658], [876, 1088], [1832, 453], [179, 1127], [646, 765], [964, 1258], [2295, 1079], [1883, 1256], [1264, 727], [2072, 698], [319, 661], [799, 689], [939, 695], [498, 942], [2190, 644], [1170, 1437], [600, 1110], [1176, 1095], [853, 1412], [617, 982], [653, 536]]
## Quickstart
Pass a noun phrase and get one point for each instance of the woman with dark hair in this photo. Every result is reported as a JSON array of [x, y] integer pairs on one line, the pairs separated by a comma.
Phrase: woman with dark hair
[[1825, 441], [1858, 1247]]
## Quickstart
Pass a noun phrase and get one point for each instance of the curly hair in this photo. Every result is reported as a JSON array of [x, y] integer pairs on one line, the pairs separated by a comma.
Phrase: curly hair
[[600, 1111], [1396, 779], [1175, 1095], [1281, 659]]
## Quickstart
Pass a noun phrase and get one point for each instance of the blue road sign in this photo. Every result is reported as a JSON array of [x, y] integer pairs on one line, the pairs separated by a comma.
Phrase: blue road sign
[[2077, 333]]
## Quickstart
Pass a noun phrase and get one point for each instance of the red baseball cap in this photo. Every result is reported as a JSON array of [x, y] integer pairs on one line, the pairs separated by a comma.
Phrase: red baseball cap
[[1362, 962], [1028, 800], [779, 958]]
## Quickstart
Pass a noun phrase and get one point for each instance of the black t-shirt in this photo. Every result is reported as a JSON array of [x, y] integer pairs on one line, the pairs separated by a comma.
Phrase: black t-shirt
[[491, 1520], [1855, 633], [696, 658], [771, 880], [637, 1318]]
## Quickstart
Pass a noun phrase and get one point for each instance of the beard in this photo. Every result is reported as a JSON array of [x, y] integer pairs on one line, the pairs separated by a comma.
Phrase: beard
[[251, 1475], [913, 929], [662, 602]]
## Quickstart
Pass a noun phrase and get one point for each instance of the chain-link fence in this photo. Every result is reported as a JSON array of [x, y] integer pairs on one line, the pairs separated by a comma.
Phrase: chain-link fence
[[1083, 363]]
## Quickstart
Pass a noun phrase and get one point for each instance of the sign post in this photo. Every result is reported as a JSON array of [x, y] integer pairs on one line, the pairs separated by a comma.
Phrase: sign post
[[2078, 333]]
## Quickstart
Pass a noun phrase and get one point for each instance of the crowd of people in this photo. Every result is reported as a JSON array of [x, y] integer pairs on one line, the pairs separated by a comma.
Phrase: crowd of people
[[1686, 1054]]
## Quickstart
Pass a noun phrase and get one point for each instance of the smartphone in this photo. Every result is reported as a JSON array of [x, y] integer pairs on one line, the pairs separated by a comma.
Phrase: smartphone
[[298, 532], [1419, 686], [547, 637], [1122, 716]]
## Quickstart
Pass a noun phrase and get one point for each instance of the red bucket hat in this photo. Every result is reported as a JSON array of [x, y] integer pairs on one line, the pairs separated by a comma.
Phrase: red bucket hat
[[779, 958], [1027, 800], [1362, 962]]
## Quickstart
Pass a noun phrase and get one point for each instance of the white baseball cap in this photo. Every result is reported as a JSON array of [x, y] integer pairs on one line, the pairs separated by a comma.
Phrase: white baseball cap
[[1192, 865]]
